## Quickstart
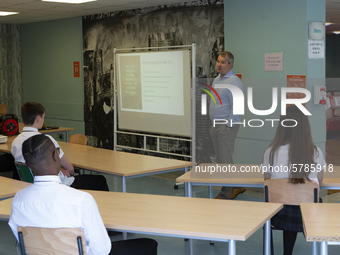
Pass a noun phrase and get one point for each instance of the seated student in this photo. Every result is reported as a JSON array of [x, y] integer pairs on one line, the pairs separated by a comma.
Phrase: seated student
[[33, 115], [293, 145], [48, 203]]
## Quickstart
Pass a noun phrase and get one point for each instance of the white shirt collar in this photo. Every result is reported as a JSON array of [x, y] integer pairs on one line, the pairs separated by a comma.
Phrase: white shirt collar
[[46, 178], [228, 75], [29, 129]]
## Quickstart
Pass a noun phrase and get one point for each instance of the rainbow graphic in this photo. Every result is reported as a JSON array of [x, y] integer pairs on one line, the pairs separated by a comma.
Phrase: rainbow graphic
[[208, 92]]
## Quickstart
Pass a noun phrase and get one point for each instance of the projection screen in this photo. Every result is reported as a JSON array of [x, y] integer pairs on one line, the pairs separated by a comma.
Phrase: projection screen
[[153, 91]]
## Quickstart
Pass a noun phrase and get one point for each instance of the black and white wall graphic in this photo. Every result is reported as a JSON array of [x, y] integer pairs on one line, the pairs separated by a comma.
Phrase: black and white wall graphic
[[198, 22]]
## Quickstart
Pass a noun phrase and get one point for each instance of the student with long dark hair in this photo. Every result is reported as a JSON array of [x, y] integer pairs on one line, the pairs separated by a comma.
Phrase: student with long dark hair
[[292, 146]]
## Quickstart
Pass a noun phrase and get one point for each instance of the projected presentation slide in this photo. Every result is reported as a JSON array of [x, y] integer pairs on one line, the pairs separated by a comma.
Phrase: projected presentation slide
[[152, 82], [153, 91]]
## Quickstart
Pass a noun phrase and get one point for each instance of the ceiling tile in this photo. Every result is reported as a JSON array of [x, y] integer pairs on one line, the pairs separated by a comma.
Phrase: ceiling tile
[[41, 11]]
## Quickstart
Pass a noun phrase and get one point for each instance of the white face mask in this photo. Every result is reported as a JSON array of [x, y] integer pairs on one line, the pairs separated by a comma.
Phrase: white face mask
[[106, 108]]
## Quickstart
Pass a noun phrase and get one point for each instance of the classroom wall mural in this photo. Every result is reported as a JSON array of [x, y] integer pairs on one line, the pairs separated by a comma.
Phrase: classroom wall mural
[[198, 22], [10, 68]]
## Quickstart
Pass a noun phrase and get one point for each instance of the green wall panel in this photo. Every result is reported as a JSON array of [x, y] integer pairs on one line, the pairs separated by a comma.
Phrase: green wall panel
[[48, 52], [253, 28]]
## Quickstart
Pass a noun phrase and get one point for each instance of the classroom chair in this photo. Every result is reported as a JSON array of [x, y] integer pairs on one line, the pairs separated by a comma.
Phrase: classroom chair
[[3, 109], [53, 241], [78, 139], [25, 173], [282, 191]]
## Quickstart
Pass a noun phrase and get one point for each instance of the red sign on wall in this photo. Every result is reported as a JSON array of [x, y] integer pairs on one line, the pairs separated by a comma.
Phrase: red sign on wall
[[296, 81], [76, 70]]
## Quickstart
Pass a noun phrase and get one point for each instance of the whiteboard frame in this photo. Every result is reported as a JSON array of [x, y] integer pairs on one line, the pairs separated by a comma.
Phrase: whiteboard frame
[[192, 139]]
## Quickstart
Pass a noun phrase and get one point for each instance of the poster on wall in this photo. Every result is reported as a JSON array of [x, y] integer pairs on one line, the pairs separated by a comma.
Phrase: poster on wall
[[296, 81], [273, 61], [76, 71]]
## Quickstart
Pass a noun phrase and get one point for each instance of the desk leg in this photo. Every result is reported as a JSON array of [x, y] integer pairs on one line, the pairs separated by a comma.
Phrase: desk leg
[[191, 247], [323, 248], [189, 192], [210, 196], [210, 192], [315, 248], [185, 184], [123, 184], [124, 191], [232, 247], [267, 238], [185, 169]]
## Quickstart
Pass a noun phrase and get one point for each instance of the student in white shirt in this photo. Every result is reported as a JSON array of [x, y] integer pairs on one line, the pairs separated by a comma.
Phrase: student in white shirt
[[292, 148], [48, 203], [33, 115]]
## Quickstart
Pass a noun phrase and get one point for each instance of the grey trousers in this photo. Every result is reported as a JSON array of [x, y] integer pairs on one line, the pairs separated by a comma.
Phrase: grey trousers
[[223, 139]]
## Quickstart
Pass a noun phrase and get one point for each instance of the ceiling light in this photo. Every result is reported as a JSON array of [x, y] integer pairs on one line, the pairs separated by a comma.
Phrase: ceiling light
[[7, 13], [69, 1], [328, 24], [336, 32]]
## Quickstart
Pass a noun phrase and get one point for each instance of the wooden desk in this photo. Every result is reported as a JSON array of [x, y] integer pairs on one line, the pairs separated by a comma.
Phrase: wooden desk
[[6, 147], [178, 216], [52, 131], [9, 187], [64, 130], [321, 223], [245, 179], [123, 164]]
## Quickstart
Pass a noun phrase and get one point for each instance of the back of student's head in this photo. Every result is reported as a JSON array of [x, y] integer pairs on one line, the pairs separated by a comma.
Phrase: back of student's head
[[294, 129], [37, 150], [29, 112]]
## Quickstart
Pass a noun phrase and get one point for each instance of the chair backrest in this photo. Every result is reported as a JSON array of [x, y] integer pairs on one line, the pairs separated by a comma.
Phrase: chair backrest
[[3, 109], [25, 173], [53, 241], [282, 191], [78, 139]]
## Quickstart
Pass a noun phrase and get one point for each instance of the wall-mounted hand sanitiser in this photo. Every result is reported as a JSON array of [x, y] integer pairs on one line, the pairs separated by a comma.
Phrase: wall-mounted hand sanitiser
[[319, 95]]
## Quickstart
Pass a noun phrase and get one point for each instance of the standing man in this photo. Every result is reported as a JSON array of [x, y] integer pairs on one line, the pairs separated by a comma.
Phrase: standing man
[[223, 135]]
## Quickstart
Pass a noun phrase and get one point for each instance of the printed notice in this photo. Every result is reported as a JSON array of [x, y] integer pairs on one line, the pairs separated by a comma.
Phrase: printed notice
[[316, 49], [273, 61]]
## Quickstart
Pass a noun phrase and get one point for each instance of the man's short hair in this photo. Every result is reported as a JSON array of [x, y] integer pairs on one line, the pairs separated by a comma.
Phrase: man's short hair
[[228, 55], [30, 111], [36, 149]]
